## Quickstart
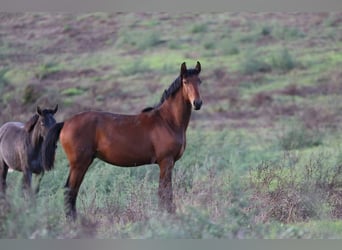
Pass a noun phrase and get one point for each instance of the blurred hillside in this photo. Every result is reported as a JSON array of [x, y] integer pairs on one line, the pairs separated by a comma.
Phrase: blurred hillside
[[257, 67]]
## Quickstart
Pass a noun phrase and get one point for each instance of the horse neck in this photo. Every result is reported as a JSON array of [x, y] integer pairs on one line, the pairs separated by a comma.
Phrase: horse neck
[[176, 111]]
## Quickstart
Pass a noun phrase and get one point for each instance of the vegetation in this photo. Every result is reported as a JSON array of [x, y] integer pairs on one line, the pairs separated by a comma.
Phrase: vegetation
[[263, 157]]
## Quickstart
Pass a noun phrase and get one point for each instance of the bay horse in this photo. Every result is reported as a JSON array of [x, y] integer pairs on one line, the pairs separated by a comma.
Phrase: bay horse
[[156, 135], [21, 147]]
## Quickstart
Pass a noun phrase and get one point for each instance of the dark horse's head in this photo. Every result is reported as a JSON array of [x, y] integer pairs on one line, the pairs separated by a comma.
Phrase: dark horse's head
[[41, 122], [190, 81]]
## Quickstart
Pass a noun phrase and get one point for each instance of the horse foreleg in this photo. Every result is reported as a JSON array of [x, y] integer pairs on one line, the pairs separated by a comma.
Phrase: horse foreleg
[[39, 179], [165, 186], [27, 178]]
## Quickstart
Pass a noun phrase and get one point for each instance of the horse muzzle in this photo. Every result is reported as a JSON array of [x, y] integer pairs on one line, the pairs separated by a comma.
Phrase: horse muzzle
[[197, 104]]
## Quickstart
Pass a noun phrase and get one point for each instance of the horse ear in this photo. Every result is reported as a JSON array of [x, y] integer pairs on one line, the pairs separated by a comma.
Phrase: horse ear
[[55, 109], [198, 67], [39, 111], [183, 69]]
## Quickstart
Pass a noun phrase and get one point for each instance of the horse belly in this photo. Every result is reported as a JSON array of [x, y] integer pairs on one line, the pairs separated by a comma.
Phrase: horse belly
[[126, 153], [124, 159]]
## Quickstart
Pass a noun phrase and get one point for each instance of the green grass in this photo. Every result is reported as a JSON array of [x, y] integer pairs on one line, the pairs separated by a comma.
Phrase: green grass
[[18, 76], [3, 79], [141, 40], [300, 137], [213, 195], [73, 91]]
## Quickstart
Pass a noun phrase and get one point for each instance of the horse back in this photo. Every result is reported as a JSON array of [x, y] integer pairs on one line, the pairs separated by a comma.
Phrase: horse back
[[122, 140], [10, 131], [13, 142]]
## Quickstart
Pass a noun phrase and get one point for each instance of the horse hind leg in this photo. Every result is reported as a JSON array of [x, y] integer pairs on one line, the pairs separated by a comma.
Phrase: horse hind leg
[[3, 173], [73, 183], [70, 201]]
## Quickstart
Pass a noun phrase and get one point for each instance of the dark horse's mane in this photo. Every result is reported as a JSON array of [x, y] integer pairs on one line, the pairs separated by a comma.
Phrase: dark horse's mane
[[30, 123], [174, 87]]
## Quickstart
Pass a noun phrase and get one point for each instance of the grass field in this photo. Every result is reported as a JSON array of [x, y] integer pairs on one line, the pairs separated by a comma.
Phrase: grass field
[[263, 156]]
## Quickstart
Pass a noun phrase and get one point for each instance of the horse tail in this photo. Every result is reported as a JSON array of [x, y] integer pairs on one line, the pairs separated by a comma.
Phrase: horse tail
[[50, 145]]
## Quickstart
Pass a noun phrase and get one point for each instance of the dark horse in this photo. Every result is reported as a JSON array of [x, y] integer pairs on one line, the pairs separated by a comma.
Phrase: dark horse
[[156, 135], [21, 146]]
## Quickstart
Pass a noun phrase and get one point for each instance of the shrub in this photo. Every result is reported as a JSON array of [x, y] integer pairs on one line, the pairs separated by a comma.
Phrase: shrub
[[252, 64], [136, 67], [286, 33], [199, 28], [45, 69], [289, 192], [299, 137], [283, 61], [266, 30], [247, 37], [3, 79], [31, 93], [141, 40], [175, 44], [149, 39], [209, 45], [73, 91], [228, 47]]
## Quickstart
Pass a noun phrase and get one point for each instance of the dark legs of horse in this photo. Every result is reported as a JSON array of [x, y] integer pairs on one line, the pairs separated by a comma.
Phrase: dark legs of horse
[[165, 186], [39, 179], [3, 173], [70, 196], [75, 178], [27, 179]]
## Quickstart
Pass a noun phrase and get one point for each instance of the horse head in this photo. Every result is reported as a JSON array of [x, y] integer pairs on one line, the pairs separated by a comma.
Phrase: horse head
[[41, 122], [45, 120], [190, 81]]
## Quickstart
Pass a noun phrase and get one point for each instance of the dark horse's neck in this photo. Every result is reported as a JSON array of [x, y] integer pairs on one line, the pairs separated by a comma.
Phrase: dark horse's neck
[[176, 110], [36, 139], [32, 128]]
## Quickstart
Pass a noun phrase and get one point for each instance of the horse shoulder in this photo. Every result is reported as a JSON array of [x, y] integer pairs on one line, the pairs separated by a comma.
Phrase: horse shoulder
[[168, 141]]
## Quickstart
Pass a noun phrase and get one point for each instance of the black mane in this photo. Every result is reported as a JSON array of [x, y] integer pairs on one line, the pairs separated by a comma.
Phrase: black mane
[[174, 87], [29, 125]]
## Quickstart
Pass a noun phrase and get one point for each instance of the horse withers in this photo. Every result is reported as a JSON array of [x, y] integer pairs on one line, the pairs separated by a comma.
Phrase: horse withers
[[21, 147], [156, 135]]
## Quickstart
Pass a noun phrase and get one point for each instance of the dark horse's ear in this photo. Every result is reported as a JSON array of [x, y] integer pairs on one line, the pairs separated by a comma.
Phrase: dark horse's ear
[[39, 111], [198, 67], [55, 109], [183, 70]]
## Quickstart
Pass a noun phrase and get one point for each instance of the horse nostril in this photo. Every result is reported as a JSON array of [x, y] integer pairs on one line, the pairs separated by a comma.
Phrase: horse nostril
[[197, 104]]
